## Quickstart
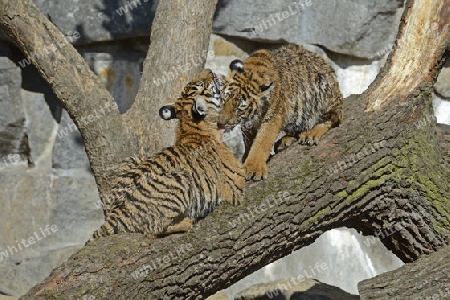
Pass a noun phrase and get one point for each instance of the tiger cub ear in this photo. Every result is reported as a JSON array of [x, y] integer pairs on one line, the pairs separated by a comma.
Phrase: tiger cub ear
[[200, 107], [167, 112], [237, 65]]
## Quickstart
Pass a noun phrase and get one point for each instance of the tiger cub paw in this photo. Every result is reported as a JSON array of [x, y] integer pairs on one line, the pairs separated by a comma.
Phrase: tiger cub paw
[[182, 226], [313, 136], [255, 169], [284, 142], [306, 138]]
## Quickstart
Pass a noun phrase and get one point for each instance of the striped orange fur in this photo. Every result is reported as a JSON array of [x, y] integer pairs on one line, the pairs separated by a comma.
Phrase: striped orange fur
[[290, 90], [169, 191]]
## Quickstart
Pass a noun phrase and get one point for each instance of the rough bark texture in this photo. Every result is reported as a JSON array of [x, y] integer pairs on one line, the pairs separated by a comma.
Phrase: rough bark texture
[[113, 137], [426, 278], [382, 171]]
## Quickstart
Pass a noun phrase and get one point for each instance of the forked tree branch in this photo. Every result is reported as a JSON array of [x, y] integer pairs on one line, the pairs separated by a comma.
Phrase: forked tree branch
[[180, 33]]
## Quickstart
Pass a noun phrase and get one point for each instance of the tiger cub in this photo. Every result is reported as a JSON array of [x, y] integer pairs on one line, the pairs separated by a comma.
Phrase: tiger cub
[[169, 191], [290, 90]]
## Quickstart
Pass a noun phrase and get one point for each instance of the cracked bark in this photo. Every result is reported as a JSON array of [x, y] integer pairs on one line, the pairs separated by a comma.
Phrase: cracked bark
[[383, 172], [426, 278]]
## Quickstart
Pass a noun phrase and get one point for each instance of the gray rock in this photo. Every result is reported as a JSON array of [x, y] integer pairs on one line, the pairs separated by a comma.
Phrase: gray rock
[[292, 289], [41, 128], [355, 27], [441, 110], [442, 85], [58, 210], [13, 136], [118, 68], [68, 150], [99, 20], [339, 257], [7, 298]]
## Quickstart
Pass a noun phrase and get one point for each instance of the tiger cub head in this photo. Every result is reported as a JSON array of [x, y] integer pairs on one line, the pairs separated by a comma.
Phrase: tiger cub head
[[200, 100], [245, 92]]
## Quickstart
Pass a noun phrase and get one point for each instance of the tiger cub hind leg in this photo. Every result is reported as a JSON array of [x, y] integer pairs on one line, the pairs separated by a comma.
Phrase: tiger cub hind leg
[[330, 120], [285, 142], [313, 136], [181, 226], [310, 137]]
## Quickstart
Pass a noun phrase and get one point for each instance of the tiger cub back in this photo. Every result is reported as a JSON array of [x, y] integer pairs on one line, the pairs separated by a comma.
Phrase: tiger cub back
[[169, 191], [290, 90]]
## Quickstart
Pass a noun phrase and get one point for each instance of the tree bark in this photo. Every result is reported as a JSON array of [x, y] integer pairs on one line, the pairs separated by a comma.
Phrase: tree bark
[[109, 137], [426, 278], [382, 172]]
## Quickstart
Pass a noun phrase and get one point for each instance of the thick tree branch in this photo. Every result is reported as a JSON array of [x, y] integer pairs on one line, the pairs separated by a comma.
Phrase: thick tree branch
[[42, 42], [426, 278], [427, 28], [179, 41], [386, 194]]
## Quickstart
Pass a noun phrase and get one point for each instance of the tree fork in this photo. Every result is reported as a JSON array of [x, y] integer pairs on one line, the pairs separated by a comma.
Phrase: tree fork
[[112, 138]]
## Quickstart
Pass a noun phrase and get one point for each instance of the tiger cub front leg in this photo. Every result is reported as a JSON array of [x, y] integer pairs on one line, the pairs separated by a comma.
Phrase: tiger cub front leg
[[255, 164]]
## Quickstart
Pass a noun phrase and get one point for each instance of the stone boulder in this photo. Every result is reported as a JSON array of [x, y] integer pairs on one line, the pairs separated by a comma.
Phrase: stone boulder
[[442, 85], [88, 21], [47, 213], [68, 149], [293, 289], [46, 216], [13, 135], [356, 27]]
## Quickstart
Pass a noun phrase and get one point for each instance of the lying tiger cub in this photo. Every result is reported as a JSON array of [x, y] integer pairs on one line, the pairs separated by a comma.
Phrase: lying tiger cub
[[289, 89], [169, 191]]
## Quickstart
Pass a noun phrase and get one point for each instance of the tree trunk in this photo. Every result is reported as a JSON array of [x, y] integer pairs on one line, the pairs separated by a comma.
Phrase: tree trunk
[[381, 172], [109, 137]]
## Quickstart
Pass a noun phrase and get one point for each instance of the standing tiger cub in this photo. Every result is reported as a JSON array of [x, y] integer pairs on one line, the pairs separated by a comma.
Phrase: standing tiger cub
[[288, 89], [169, 191]]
